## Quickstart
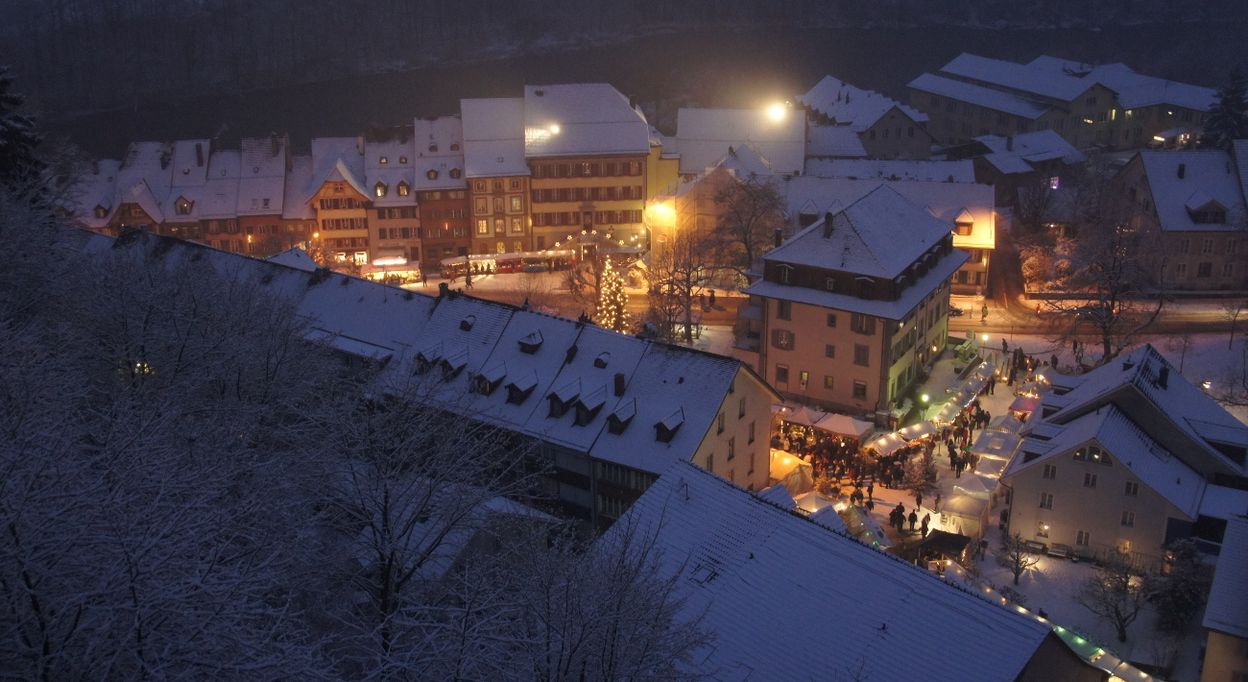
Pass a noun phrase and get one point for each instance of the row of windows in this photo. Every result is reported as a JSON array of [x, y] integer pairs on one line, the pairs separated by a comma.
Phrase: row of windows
[[400, 232], [586, 169], [513, 204], [403, 189], [829, 382], [345, 224], [438, 195], [896, 133], [1231, 246], [1130, 489], [585, 218], [340, 204], [614, 193], [434, 214], [1204, 270], [402, 213], [495, 185], [483, 226]]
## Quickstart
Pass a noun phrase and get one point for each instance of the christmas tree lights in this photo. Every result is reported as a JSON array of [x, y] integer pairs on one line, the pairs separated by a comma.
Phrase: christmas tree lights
[[612, 313]]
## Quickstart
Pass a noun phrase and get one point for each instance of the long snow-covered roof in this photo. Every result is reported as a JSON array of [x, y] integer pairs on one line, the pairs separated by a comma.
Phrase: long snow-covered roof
[[1015, 154], [439, 162], [1227, 608], [337, 159], [787, 598], [977, 94], [1134, 89], [1209, 175], [703, 136], [295, 205], [840, 142], [857, 108], [581, 118], [493, 137], [892, 169]]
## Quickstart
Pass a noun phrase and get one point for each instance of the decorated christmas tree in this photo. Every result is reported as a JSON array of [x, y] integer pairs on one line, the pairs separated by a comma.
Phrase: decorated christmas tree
[[612, 300]]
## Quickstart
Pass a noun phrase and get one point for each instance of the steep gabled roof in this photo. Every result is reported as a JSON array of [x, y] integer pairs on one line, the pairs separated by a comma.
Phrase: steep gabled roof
[[879, 234], [336, 159], [854, 107], [787, 598], [1208, 175]]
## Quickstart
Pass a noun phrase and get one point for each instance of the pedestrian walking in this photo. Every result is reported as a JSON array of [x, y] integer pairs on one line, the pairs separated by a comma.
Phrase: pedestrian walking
[[918, 499], [914, 519], [712, 298], [1005, 347], [1053, 361], [871, 490], [937, 501]]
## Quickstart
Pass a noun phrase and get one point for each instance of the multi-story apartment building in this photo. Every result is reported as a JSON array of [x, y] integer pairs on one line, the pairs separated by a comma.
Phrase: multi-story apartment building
[[1035, 161], [262, 194], [968, 206], [340, 198], [1127, 458], [587, 149], [1196, 202], [498, 177], [394, 220], [885, 128], [1108, 106], [441, 190], [852, 307]]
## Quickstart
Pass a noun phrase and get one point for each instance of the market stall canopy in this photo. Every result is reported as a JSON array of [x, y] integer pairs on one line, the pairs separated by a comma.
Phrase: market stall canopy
[[916, 431], [965, 506], [800, 480], [783, 464], [985, 370], [995, 445], [1024, 404], [801, 415], [946, 544], [813, 501], [887, 444], [844, 425], [989, 467], [1005, 422], [971, 485]]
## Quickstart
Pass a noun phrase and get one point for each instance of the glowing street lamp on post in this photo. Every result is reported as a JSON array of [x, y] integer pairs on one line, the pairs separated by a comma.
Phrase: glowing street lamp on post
[[777, 112]]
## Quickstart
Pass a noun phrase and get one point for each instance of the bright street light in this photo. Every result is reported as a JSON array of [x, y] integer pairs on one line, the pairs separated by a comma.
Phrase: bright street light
[[777, 112], [554, 129], [984, 338]]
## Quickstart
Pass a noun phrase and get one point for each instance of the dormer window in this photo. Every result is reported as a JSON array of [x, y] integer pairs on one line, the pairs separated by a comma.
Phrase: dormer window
[[623, 416], [432, 174], [380, 189], [466, 323], [963, 229], [383, 161], [665, 430], [100, 212], [601, 361], [456, 173], [530, 343], [403, 159], [433, 149], [558, 408], [182, 206], [785, 273], [404, 189], [454, 146], [1211, 214]]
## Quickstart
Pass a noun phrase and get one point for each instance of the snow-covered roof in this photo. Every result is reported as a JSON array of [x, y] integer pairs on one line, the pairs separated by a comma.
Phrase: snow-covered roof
[[190, 162], [784, 596], [1127, 445], [391, 162], [337, 159], [667, 379], [220, 193], [1227, 608], [493, 137], [1208, 175], [877, 169], [581, 118], [703, 136], [848, 105], [979, 95], [833, 142], [294, 257], [1182, 417], [815, 196], [439, 162], [295, 205], [879, 234], [743, 163], [1016, 154], [1221, 502], [1134, 89], [262, 176], [145, 177], [1015, 76]]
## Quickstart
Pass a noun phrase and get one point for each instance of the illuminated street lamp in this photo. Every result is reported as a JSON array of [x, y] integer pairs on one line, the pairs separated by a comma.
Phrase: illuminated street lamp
[[983, 337], [777, 112]]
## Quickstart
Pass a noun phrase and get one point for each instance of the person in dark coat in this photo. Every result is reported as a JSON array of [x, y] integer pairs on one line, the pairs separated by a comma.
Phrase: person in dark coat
[[927, 519], [913, 518]]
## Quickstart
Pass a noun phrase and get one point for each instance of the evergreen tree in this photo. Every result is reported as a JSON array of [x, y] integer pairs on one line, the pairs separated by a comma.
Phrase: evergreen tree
[[17, 135], [612, 313], [1229, 118]]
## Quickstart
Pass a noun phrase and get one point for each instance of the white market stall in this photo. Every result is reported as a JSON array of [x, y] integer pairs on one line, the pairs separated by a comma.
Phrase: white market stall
[[995, 445], [887, 444], [965, 514]]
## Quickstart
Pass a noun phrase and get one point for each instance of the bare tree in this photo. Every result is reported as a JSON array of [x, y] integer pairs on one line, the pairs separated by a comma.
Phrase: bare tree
[[679, 271], [1231, 310], [1114, 594], [751, 210], [1015, 555], [919, 476]]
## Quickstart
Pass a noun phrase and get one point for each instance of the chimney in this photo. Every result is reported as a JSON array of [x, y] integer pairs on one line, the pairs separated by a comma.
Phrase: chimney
[[567, 358], [777, 237], [1009, 143], [619, 384], [199, 154], [827, 225], [1163, 376], [1182, 170]]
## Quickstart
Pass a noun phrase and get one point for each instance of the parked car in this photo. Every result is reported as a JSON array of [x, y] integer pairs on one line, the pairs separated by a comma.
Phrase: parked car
[[955, 311], [1035, 547]]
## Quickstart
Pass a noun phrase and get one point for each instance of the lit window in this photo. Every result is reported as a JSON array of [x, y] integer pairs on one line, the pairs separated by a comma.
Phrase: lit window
[[380, 189], [432, 174], [455, 173], [1128, 519], [404, 189], [402, 159], [383, 161], [1046, 500], [1055, 182]]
